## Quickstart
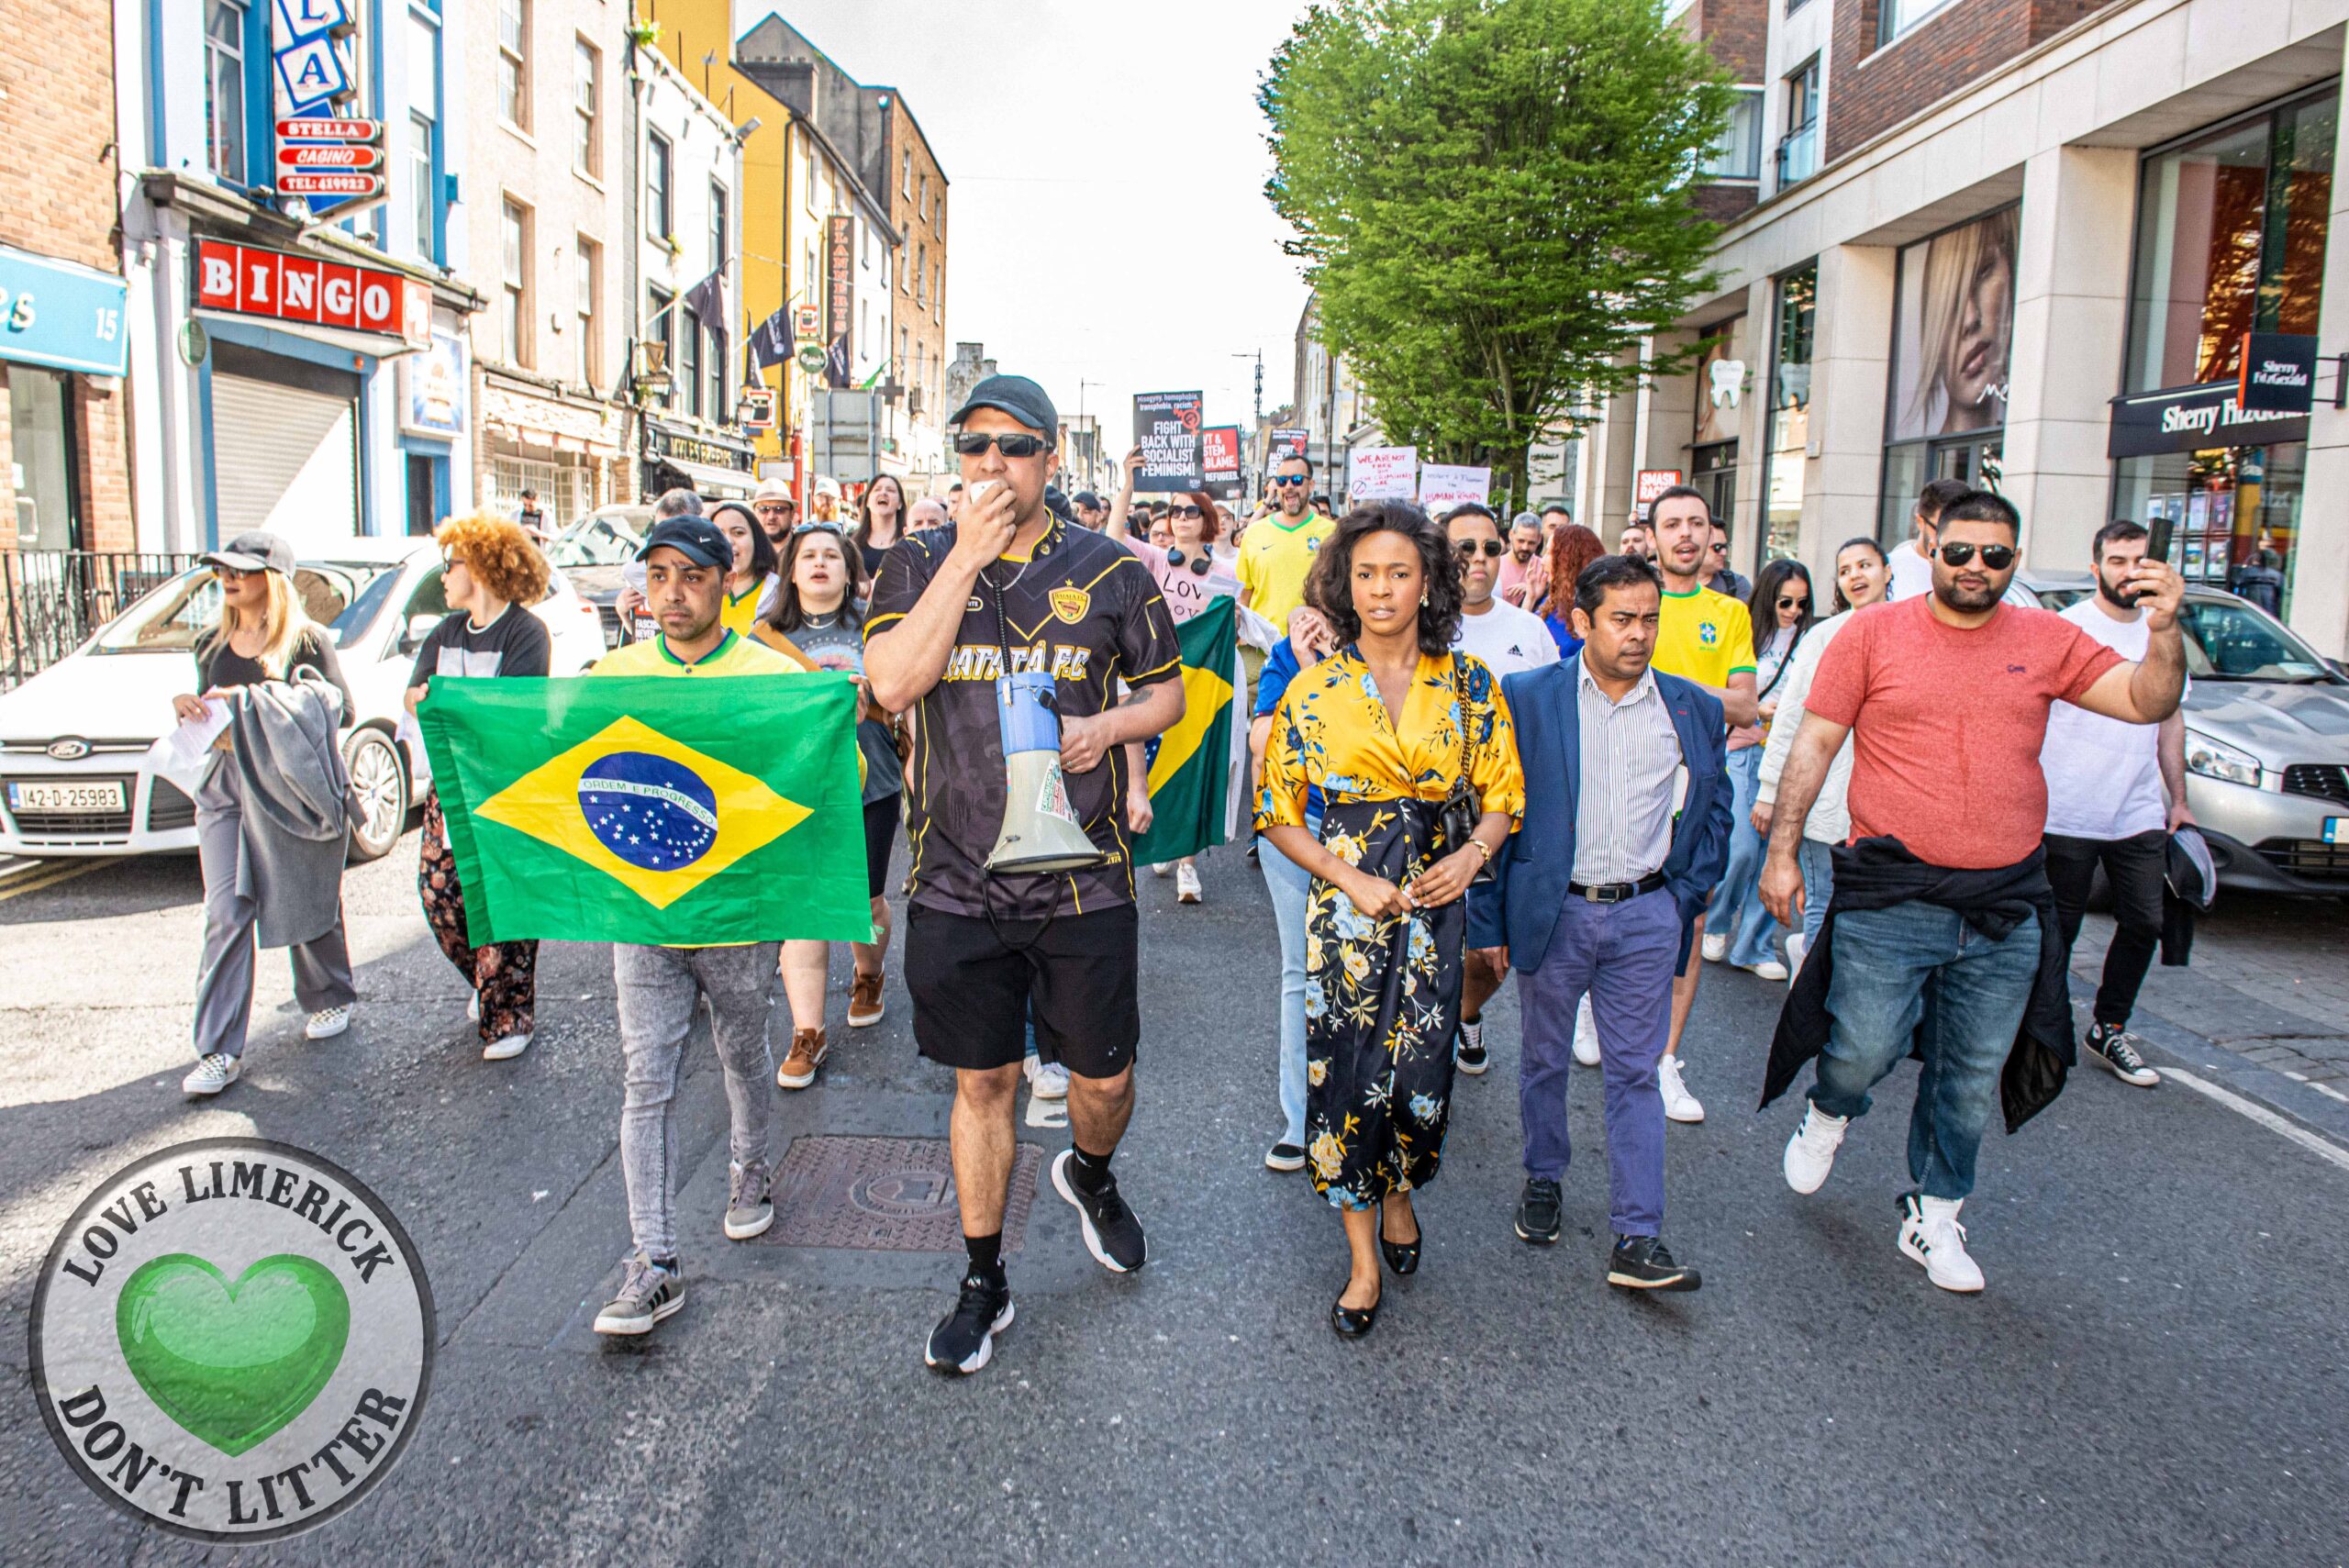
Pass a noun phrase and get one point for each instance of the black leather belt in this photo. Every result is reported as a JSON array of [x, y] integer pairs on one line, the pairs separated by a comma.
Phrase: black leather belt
[[1616, 892]]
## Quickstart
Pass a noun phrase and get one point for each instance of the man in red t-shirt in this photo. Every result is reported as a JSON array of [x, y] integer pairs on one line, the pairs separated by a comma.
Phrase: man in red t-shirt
[[1945, 697]]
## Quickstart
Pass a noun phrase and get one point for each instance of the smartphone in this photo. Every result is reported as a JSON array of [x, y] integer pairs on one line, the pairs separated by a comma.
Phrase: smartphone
[[2157, 534]]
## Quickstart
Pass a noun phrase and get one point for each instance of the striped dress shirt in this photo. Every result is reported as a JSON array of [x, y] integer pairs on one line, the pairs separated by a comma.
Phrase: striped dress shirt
[[1623, 805]]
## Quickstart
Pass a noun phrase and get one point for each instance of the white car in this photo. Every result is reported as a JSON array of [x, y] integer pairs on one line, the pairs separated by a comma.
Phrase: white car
[[73, 739]]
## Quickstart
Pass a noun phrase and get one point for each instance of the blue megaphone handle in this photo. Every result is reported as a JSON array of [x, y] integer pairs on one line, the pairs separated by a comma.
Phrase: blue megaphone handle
[[1024, 704]]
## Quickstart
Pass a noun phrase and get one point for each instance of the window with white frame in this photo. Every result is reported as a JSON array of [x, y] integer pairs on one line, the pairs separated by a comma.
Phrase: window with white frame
[[423, 117], [588, 277], [514, 62], [719, 247], [1738, 155], [566, 491], [1893, 17], [660, 198], [586, 101], [514, 282], [224, 88]]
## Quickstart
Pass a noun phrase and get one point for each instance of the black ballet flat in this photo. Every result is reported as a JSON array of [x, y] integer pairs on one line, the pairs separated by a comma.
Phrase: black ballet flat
[[1353, 1322], [1403, 1257]]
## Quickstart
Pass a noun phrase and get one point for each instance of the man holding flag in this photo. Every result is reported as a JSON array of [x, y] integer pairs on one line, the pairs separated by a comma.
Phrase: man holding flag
[[691, 821], [957, 618]]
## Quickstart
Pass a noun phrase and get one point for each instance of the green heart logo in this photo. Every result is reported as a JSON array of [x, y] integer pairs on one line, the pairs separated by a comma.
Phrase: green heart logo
[[232, 1363]]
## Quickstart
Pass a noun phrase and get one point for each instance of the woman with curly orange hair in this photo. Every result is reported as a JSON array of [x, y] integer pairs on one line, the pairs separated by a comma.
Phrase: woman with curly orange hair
[[491, 574], [1572, 548]]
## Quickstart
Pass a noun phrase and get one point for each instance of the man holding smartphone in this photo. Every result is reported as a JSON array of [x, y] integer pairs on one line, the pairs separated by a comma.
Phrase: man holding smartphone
[[986, 952], [2116, 792]]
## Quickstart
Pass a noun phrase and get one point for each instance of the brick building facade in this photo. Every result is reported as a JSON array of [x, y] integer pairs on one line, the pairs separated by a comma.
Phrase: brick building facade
[[918, 212], [64, 431], [1874, 85]]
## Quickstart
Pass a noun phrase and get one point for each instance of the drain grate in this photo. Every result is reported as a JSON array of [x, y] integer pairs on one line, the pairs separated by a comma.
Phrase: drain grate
[[885, 1194]]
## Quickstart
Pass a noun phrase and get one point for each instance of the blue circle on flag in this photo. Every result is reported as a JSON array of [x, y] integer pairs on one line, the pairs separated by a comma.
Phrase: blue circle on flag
[[651, 812]]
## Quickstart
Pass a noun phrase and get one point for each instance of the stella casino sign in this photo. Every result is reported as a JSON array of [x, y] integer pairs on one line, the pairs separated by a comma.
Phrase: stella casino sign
[[327, 159]]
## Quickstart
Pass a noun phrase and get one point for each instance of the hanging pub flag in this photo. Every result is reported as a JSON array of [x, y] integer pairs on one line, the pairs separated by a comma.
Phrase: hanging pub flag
[[706, 299], [771, 339], [836, 366]]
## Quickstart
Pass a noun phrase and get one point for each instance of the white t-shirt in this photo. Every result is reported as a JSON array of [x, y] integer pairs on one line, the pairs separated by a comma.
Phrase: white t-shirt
[[1912, 574], [2104, 775], [1507, 639]]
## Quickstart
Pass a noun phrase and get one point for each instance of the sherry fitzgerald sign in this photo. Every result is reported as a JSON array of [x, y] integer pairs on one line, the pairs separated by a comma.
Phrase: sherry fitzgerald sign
[[2193, 419]]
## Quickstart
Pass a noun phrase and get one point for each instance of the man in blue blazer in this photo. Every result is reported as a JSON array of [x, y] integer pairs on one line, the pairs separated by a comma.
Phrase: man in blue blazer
[[1627, 821]]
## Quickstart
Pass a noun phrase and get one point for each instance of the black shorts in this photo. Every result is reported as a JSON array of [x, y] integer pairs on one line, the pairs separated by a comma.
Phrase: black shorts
[[880, 838], [975, 982]]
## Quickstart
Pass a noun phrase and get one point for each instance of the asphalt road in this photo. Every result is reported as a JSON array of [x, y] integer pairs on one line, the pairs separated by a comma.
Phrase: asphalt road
[[2156, 1374]]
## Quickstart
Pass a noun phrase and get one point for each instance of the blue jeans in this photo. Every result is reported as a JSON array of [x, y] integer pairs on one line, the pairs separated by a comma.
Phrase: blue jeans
[[1738, 896], [1816, 863], [1912, 961], [1288, 883]]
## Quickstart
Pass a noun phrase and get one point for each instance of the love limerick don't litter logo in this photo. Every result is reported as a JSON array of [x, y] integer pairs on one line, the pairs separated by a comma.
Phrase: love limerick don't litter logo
[[232, 1339]]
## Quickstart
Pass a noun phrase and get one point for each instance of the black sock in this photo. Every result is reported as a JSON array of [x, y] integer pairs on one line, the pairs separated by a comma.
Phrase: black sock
[[986, 1256], [1089, 1172]]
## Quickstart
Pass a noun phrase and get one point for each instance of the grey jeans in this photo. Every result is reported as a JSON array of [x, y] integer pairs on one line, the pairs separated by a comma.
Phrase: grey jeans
[[657, 988], [224, 988]]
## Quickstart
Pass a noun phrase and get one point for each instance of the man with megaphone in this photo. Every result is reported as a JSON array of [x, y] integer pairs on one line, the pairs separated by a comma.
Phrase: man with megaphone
[[1008, 635]]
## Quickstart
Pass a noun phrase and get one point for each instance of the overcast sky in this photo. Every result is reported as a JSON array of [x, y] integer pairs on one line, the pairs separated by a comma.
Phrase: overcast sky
[[1108, 221]]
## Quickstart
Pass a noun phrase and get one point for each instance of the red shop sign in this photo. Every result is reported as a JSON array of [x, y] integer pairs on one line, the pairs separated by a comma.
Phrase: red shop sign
[[309, 288]]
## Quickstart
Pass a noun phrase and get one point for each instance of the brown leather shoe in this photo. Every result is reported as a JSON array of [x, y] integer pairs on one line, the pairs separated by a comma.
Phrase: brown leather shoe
[[864, 1006], [807, 1051]]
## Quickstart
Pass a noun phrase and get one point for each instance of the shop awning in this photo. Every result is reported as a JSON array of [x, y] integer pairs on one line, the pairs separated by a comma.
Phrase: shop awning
[[376, 345], [708, 478]]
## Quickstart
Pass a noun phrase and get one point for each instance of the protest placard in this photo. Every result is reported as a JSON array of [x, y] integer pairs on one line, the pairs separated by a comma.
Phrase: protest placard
[[1286, 444], [1166, 428], [1383, 474], [1219, 459], [1649, 484], [1443, 485]]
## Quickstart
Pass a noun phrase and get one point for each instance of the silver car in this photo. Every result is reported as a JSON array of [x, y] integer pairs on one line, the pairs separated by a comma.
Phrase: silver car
[[2266, 741]]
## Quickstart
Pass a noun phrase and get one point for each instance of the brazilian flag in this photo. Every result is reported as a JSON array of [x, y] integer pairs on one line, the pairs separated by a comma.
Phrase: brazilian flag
[[1190, 765], [657, 809]]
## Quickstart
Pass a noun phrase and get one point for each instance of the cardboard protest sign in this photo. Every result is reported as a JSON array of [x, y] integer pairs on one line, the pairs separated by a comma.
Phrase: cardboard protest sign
[[1286, 444], [1384, 474], [1219, 459], [1166, 428], [1649, 484], [1443, 485]]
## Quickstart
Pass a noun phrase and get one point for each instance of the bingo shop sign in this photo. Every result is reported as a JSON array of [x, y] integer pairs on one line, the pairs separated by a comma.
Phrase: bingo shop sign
[[309, 288], [231, 1339]]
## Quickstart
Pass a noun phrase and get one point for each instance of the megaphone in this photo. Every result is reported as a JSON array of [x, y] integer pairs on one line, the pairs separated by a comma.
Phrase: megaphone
[[1040, 833]]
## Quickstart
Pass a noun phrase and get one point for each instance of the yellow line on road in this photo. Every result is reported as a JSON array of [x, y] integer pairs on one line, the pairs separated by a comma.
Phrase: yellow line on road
[[50, 876]]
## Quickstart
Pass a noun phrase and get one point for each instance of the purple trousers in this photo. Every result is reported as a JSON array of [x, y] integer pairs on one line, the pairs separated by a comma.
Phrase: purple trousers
[[1624, 955]]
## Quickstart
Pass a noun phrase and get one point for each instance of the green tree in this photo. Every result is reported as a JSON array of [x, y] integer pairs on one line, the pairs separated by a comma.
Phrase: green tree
[[1495, 199]]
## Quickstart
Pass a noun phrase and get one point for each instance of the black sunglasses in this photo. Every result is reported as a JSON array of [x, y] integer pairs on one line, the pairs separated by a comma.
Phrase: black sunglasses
[[1292, 478], [971, 443], [1470, 546], [1185, 512], [1801, 604], [1996, 557]]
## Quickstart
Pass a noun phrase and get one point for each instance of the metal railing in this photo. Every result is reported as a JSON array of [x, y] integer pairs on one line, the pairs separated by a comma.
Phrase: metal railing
[[1798, 155], [51, 600]]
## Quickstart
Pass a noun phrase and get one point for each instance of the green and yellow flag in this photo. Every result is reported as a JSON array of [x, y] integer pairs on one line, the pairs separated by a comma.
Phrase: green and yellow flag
[[679, 812], [1190, 765]]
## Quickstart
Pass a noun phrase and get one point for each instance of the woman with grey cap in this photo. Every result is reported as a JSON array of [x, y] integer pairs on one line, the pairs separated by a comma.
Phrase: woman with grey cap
[[269, 820]]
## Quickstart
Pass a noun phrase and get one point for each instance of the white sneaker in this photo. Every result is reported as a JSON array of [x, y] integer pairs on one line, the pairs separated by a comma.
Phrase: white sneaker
[[1586, 1034], [1768, 968], [1679, 1104], [1163, 868], [327, 1023], [1811, 1152], [505, 1049], [1187, 884], [1715, 948], [1930, 1234], [212, 1074], [1046, 1080], [1796, 948], [472, 1008]]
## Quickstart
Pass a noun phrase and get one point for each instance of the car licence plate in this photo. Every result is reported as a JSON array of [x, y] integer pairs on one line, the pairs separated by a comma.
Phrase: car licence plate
[[104, 796], [2336, 830]]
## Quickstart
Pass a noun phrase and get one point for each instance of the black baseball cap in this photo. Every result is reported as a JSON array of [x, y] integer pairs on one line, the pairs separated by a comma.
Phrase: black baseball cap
[[696, 538], [1018, 397], [256, 549], [1087, 499]]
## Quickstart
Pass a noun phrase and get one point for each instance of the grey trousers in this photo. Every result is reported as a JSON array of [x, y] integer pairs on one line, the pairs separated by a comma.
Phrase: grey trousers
[[224, 989], [658, 987]]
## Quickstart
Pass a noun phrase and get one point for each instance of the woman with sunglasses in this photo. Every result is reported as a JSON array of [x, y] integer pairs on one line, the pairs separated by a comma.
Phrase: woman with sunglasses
[[880, 522], [1863, 576], [251, 890], [751, 585], [821, 609], [1382, 729], [1781, 604], [490, 574]]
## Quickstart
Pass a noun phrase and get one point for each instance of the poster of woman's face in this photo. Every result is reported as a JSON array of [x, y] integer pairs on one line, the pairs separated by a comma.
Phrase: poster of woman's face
[[1955, 327]]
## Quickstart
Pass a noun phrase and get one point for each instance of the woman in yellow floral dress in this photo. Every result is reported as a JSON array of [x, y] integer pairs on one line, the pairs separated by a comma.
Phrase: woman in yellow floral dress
[[1382, 729]]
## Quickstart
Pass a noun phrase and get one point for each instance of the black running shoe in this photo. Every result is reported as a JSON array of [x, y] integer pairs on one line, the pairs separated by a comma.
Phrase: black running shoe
[[964, 1338], [1112, 1234], [1471, 1055], [2113, 1045], [1537, 1211], [1643, 1262]]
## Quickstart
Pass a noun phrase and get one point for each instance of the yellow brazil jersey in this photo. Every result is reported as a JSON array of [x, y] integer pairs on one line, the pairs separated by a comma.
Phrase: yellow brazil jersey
[[1704, 636], [741, 615], [1275, 559]]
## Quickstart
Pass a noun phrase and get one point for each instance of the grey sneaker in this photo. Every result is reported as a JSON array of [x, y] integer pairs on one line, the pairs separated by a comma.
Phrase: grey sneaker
[[212, 1074], [648, 1292], [749, 1207]]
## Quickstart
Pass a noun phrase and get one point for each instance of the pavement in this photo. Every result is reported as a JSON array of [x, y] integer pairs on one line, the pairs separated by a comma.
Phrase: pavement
[[2156, 1374]]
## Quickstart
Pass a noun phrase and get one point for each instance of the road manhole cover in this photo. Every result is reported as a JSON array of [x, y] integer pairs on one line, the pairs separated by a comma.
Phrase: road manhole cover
[[885, 1194]]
